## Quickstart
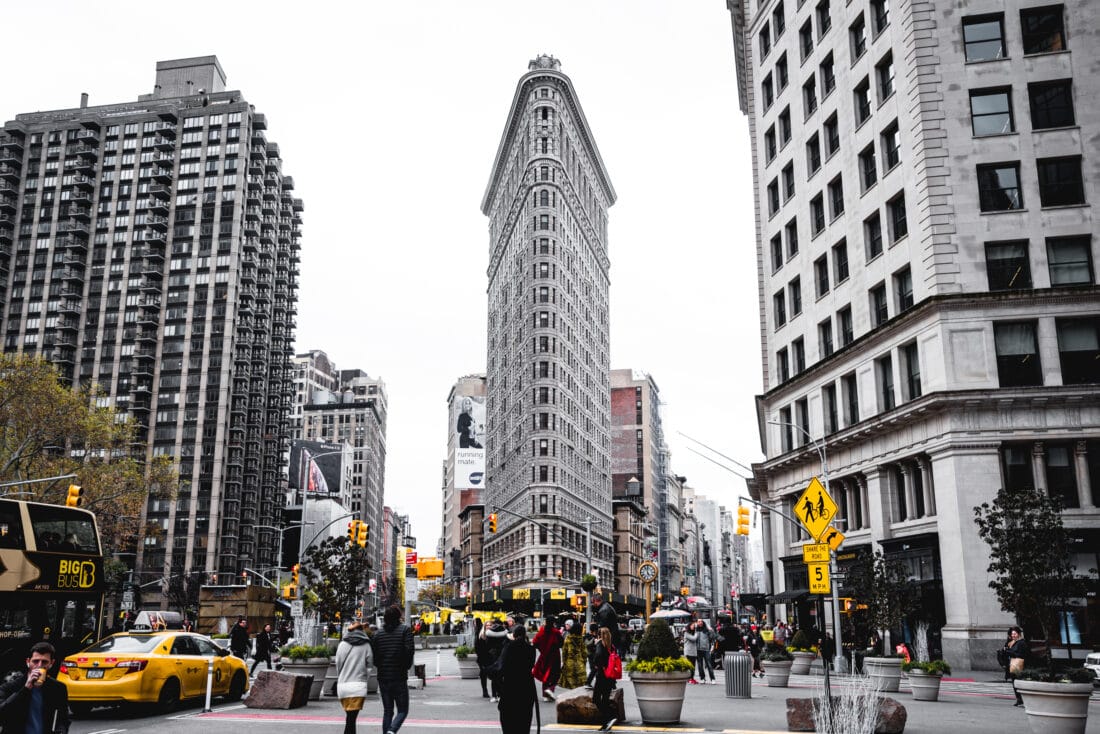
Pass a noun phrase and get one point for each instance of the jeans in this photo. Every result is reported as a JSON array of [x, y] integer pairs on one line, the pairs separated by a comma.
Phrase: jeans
[[394, 691], [691, 659], [705, 665], [601, 697]]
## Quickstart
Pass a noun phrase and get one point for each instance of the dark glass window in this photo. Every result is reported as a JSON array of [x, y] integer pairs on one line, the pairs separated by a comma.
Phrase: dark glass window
[[765, 40], [891, 146], [779, 20], [844, 325], [832, 135], [782, 365], [792, 237], [1018, 476], [825, 338], [880, 14], [769, 144], [784, 126], [824, 20], [1007, 265], [798, 355], [767, 91], [1069, 260], [779, 308], [773, 197], [1079, 350], [788, 181], [840, 261], [899, 223], [806, 38], [884, 74], [828, 76], [999, 187], [872, 232], [836, 197], [795, 290], [991, 111], [1060, 181], [880, 311], [850, 389], [911, 358], [821, 275], [828, 399], [809, 96], [984, 37], [1017, 354], [1061, 473], [781, 76], [857, 33], [862, 97], [1043, 29], [817, 214], [777, 252], [884, 369], [1051, 104], [813, 154], [868, 167], [903, 289]]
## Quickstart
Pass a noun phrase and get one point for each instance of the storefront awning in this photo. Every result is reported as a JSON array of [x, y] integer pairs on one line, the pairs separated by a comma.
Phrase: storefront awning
[[788, 596]]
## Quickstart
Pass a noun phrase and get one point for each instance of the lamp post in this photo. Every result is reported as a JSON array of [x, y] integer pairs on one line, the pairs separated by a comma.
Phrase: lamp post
[[279, 558], [838, 657]]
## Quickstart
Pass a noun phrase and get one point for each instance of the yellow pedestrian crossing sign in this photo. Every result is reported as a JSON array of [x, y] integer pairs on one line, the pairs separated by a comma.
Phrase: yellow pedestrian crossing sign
[[815, 509]]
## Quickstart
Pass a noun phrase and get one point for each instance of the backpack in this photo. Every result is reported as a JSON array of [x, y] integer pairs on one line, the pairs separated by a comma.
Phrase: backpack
[[614, 669]]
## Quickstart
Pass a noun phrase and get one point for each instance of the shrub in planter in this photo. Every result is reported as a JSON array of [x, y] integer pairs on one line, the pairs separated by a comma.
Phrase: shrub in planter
[[1048, 675], [589, 582], [933, 667], [657, 642], [775, 653], [298, 653], [659, 674], [462, 652], [802, 642]]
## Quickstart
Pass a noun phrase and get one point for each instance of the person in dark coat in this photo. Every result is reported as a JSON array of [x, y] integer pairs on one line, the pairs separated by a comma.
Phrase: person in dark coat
[[601, 690], [33, 702], [238, 638], [604, 615], [518, 696], [490, 641], [265, 641], [393, 656], [1018, 652]]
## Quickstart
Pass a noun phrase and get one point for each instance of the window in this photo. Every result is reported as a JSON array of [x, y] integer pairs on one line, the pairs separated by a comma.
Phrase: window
[[813, 154], [806, 39], [903, 289], [778, 20], [991, 111], [1007, 266], [802, 420], [910, 358], [884, 75], [825, 338], [862, 96], [1051, 104], [999, 187], [891, 146], [773, 197], [809, 96], [1043, 29], [844, 326], [880, 15], [857, 35], [779, 308], [832, 135], [836, 197], [840, 261], [784, 126], [767, 91], [781, 75], [765, 38], [880, 311], [788, 181], [792, 237], [821, 275], [828, 76], [794, 289], [884, 375], [829, 415], [1017, 354], [1060, 181], [782, 366], [899, 223], [872, 235], [1061, 474], [1079, 350], [769, 145], [824, 20], [1069, 260], [798, 355], [817, 214], [850, 390], [777, 252], [984, 37], [1018, 475], [868, 168], [785, 429]]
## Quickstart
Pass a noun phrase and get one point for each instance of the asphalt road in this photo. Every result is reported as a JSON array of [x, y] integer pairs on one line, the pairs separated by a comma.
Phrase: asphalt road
[[982, 705]]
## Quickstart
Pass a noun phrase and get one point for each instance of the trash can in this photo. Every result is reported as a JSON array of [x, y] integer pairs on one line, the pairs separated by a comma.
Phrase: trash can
[[738, 669]]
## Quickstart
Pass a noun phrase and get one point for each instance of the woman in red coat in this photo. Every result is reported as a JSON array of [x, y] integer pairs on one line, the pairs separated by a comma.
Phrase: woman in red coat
[[548, 642]]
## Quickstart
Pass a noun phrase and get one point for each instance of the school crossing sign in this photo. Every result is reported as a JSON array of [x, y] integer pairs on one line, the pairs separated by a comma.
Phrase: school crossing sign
[[815, 509]]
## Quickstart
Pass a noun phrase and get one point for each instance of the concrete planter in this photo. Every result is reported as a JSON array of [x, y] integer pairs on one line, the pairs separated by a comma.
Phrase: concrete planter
[[925, 686], [660, 695], [802, 662], [885, 673], [317, 667], [468, 668], [1055, 708], [778, 672]]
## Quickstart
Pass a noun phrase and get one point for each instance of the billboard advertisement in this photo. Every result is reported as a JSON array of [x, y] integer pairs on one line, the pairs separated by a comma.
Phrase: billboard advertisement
[[316, 468], [469, 427]]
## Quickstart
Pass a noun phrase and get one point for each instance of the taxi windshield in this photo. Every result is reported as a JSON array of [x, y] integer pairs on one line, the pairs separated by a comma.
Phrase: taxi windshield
[[127, 643]]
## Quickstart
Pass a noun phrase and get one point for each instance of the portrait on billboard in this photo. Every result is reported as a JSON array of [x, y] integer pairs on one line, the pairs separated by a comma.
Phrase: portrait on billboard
[[469, 428], [316, 467]]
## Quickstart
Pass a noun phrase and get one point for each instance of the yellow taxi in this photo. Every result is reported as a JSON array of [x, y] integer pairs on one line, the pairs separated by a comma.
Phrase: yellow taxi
[[155, 667]]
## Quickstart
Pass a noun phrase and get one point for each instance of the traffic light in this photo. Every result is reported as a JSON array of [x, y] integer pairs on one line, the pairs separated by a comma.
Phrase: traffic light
[[294, 574], [364, 534], [75, 497], [742, 520], [847, 605], [580, 600], [492, 522], [290, 592], [353, 532]]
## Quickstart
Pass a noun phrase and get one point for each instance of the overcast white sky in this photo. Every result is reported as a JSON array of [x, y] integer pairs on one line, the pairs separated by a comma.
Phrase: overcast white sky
[[388, 115]]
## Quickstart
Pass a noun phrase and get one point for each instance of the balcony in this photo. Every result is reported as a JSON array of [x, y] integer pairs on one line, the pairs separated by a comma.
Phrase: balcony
[[74, 243], [165, 127], [160, 191], [83, 182], [162, 174], [80, 212], [76, 274], [7, 204], [9, 172], [71, 307], [87, 136], [157, 222], [78, 196], [159, 141], [12, 142], [71, 226], [158, 206]]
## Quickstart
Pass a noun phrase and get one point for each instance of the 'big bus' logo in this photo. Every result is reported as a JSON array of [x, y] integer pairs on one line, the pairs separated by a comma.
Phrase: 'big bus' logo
[[75, 574]]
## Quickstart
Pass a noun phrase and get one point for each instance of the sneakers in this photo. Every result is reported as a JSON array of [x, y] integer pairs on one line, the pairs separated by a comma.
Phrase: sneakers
[[547, 695], [608, 725], [693, 682], [713, 682], [494, 699]]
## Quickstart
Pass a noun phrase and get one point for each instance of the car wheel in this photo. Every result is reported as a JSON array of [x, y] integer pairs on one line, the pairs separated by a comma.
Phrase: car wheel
[[236, 687], [80, 710], [169, 697]]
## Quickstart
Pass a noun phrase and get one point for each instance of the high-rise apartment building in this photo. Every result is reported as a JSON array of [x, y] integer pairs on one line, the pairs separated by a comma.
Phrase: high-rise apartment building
[[548, 443], [928, 302], [150, 249]]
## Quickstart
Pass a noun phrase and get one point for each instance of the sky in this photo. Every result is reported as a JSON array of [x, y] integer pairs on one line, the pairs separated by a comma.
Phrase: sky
[[388, 115]]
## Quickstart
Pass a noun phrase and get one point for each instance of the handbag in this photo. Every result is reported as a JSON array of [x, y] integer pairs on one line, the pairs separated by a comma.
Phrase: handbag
[[1016, 666]]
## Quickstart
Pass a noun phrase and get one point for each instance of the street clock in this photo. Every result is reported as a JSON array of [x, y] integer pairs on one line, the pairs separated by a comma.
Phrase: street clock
[[647, 572]]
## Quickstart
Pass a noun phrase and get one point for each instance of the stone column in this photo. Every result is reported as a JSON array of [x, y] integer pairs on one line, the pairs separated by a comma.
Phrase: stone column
[[928, 484], [864, 502], [1081, 463], [910, 491], [1038, 466], [879, 515]]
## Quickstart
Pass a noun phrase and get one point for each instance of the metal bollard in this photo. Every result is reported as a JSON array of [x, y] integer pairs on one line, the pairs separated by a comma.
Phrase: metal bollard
[[738, 669], [209, 684], [437, 654]]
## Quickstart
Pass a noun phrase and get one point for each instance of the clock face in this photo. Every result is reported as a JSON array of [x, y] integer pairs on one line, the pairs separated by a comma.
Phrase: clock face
[[647, 572]]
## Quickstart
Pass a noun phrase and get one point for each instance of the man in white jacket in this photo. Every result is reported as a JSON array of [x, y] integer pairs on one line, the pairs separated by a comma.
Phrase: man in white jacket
[[353, 661]]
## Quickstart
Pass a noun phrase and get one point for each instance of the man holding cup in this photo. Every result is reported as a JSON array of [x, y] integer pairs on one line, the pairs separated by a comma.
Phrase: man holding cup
[[33, 702]]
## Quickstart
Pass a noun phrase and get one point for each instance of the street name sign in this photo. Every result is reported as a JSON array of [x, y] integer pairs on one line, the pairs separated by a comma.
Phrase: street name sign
[[815, 509]]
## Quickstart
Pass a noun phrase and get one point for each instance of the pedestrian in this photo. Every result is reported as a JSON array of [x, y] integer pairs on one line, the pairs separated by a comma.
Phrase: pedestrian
[[393, 656], [548, 641], [827, 646], [754, 645], [780, 634], [573, 655], [691, 649], [33, 702], [1018, 652], [264, 643], [518, 697], [238, 638], [591, 637], [601, 691], [490, 641], [353, 661], [604, 615], [702, 652]]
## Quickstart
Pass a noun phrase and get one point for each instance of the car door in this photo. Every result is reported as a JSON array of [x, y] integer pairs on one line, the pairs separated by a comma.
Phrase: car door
[[190, 666], [223, 672]]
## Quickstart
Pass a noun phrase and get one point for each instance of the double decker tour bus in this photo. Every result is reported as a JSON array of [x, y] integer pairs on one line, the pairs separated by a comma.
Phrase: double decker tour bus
[[51, 579]]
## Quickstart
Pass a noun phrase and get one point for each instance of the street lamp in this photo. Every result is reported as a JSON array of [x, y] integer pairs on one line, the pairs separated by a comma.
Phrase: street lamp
[[838, 658], [279, 558]]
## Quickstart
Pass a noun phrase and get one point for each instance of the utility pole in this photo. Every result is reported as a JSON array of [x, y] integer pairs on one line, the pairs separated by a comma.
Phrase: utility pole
[[588, 550]]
